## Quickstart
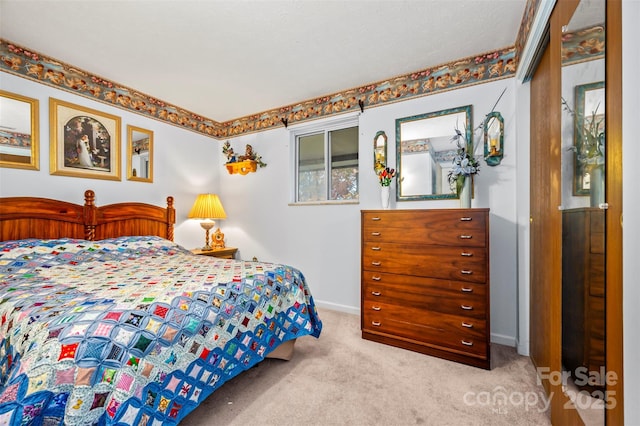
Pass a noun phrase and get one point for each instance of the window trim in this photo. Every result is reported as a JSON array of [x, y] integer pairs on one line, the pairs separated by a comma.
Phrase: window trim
[[302, 129]]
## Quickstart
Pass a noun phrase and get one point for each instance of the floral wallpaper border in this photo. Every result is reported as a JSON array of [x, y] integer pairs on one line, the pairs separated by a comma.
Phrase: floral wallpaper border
[[525, 25], [15, 139], [498, 64], [463, 72], [26, 63], [583, 45]]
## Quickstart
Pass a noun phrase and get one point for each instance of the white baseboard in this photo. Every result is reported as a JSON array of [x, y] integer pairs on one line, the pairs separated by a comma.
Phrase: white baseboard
[[337, 307], [523, 347], [501, 339]]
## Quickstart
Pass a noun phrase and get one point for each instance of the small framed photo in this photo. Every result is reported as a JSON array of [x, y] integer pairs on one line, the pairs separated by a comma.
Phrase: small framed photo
[[84, 142]]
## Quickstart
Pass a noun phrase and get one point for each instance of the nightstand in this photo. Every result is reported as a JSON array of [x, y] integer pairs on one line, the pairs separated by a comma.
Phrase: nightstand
[[223, 253]]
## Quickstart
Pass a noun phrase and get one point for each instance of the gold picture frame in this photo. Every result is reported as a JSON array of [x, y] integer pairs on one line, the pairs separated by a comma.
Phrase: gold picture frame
[[139, 154], [84, 142], [19, 131]]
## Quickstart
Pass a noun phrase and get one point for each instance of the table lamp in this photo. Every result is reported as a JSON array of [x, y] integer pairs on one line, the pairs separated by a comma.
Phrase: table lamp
[[207, 208]]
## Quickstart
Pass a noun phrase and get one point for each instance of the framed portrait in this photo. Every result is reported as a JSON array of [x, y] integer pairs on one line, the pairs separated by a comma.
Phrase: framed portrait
[[84, 142], [19, 137]]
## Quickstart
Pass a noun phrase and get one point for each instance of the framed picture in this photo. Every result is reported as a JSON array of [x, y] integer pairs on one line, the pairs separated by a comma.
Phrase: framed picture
[[139, 154], [19, 138], [588, 137], [84, 142]]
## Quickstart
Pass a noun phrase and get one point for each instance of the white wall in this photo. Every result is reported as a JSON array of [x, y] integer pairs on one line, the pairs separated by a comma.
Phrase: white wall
[[631, 207], [185, 164], [324, 240]]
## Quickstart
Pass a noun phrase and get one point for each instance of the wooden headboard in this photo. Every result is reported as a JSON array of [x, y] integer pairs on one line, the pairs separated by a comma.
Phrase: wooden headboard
[[32, 217]]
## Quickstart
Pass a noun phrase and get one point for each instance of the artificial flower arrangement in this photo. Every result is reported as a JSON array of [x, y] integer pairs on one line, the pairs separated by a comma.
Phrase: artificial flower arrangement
[[386, 175], [464, 164], [591, 137]]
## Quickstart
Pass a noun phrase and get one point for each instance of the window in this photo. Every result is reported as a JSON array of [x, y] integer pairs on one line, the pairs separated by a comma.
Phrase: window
[[327, 163]]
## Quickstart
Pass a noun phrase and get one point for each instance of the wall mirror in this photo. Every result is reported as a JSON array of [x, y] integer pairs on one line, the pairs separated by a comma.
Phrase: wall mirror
[[588, 141], [139, 154], [19, 138], [425, 151], [379, 151]]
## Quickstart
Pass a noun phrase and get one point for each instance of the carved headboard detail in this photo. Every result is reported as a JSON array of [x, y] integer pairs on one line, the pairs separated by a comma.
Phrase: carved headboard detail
[[34, 217]]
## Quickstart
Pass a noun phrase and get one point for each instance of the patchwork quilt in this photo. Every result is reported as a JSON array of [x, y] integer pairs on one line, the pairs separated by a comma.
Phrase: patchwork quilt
[[134, 330]]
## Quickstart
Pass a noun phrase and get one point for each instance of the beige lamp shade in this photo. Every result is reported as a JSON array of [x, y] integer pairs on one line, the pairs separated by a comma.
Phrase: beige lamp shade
[[207, 206]]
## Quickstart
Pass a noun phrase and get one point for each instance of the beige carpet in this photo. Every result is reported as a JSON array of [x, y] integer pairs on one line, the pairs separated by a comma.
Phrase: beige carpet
[[340, 379]]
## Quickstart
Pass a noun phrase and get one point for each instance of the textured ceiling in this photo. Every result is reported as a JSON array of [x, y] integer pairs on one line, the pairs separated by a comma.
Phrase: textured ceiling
[[225, 59]]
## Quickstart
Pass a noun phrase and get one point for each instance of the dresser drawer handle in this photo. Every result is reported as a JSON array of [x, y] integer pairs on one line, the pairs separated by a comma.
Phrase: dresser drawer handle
[[466, 307], [375, 234], [375, 218], [376, 263], [376, 323], [375, 248], [466, 343], [466, 272], [376, 293], [376, 278], [466, 290], [465, 219], [466, 237], [466, 254], [467, 325], [376, 308]]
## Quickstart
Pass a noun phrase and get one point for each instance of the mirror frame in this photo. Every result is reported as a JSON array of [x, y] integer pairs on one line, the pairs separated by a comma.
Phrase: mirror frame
[[580, 121], [495, 159], [467, 109], [130, 175], [379, 161], [34, 162]]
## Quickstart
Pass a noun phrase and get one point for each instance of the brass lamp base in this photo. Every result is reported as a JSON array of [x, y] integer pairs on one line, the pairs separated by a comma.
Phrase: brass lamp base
[[207, 226]]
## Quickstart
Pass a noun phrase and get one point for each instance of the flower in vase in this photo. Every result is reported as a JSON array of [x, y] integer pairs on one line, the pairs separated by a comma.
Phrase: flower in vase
[[590, 136], [464, 164], [591, 140], [386, 175]]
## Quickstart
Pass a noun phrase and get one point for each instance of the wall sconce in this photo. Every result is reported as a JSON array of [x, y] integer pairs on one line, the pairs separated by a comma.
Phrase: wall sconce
[[379, 151], [207, 208], [493, 138]]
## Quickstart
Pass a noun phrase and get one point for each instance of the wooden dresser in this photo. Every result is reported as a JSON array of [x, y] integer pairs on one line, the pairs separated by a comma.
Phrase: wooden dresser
[[425, 282], [583, 299]]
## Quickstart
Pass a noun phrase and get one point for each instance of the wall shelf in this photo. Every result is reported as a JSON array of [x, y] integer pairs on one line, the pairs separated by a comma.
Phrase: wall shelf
[[242, 167]]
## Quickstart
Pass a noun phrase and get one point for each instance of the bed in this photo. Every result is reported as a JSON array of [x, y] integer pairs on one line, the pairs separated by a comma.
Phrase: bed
[[105, 320]]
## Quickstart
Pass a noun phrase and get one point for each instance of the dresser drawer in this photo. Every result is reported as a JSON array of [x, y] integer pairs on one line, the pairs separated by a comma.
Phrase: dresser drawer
[[452, 297], [453, 263], [447, 227], [451, 331]]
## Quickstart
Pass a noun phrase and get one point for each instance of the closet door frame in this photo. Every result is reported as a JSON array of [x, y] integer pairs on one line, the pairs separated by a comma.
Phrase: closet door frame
[[546, 218]]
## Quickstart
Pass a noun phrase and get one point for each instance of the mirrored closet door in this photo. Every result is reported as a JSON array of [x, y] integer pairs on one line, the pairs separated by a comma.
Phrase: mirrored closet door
[[583, 354]]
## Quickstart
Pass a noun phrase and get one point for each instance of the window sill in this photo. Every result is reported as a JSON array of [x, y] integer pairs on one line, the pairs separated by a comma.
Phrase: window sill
[[324, 203]]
